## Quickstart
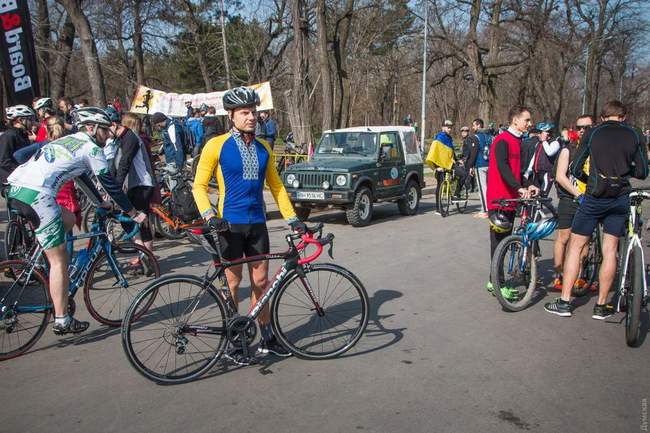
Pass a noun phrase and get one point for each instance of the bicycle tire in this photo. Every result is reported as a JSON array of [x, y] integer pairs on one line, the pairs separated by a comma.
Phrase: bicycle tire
[[97, 298], [17, 243], [445, 198], [529, 280], [163, 331], [590, 265], [280, 307], [461, 205], [634, 297], [10, 270], [163, 227]]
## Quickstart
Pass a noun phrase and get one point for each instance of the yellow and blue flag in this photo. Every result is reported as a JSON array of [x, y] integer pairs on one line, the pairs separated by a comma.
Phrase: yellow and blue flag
[[441, 152]]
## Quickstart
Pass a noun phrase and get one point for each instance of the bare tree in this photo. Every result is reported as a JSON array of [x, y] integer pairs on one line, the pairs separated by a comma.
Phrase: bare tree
[[298, 97], [88, 48], [325, 74]]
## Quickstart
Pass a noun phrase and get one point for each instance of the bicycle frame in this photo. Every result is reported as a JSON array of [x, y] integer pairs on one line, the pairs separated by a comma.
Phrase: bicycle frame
[[292, 261], [94, 250], [633, 240]]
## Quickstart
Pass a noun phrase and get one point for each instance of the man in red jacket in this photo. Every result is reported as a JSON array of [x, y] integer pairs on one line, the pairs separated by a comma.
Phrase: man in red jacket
[[504, 177]]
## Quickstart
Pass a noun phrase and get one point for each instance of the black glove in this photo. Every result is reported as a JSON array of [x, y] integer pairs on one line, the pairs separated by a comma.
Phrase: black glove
[[218, 224], [298, 226]]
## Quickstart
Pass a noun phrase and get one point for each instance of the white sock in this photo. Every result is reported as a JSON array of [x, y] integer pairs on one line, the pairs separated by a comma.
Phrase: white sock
[[65, 320]]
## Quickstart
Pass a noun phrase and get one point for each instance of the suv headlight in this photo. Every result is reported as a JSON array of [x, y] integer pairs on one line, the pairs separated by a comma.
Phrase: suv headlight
[[290, 179], [341, 180]]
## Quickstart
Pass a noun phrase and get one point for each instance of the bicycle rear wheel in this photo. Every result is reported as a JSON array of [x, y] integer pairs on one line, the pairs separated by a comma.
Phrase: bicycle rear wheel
[[461, 204], [22, 324], [634, 297], [514, 273], [341, 322], [181, 335], [110, 287], [18, 241]]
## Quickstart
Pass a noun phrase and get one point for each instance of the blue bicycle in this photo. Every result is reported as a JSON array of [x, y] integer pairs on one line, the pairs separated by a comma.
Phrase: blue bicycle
[[514, 264], [111, 274]]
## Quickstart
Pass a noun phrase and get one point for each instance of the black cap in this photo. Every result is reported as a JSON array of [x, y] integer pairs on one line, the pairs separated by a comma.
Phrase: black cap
[[158, 117]]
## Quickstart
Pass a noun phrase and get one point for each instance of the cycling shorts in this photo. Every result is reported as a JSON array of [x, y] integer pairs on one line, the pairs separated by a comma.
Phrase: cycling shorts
[[566, 210], [42, 211], [612, 212], [244, 240]]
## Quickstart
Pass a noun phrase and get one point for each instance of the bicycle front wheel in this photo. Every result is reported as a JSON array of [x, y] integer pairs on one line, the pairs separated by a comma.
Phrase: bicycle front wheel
[[514, 273], [181, 335], [165, 226], [634, 297], [445, 198], [112, 283], [26, 307], [321, 315], [590, 265]]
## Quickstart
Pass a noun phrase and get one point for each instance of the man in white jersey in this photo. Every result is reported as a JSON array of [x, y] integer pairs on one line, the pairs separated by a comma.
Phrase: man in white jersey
[[34, 186]]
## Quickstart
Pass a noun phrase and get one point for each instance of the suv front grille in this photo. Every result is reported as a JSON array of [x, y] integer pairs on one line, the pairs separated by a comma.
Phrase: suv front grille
[[313, 180]]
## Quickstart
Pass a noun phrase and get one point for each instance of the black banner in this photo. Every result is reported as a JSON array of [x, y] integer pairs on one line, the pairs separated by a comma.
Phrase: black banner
[[17, 52]]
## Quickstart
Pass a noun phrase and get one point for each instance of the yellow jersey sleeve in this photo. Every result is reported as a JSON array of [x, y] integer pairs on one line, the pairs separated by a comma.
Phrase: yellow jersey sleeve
[[208, 167], [276, 186]]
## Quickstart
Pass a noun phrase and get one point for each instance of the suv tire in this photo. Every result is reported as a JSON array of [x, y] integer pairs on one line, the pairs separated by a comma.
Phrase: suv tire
[[360, 214], [411, 201], [302, 212]]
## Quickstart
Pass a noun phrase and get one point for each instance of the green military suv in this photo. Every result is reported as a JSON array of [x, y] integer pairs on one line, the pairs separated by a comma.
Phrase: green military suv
[[353, 168]]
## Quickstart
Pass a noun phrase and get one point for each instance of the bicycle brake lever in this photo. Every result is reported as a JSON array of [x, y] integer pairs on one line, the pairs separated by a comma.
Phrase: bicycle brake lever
[[330, 251]]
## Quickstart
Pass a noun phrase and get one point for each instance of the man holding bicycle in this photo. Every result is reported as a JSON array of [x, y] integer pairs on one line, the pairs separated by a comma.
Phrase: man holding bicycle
[[504, 177], [241, 163], [616, 152]]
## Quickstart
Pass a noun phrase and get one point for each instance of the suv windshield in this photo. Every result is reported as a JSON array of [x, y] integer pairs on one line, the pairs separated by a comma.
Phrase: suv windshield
[[347, 144]]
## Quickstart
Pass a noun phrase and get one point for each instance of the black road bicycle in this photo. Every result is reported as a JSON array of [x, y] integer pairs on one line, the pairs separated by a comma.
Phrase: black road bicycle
[[318, 311]]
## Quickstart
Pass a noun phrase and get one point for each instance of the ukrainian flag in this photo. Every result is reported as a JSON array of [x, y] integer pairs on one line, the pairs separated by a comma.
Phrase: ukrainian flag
[[441, 152]]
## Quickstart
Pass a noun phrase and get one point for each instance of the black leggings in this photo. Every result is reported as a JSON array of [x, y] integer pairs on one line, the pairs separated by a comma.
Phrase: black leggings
[[140, 198]]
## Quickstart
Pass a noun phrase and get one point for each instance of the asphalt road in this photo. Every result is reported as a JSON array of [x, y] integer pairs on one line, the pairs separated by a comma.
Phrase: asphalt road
[[439, 355]]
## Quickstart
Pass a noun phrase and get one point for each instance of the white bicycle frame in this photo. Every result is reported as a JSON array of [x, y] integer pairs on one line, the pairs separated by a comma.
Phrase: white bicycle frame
[[633, 241]]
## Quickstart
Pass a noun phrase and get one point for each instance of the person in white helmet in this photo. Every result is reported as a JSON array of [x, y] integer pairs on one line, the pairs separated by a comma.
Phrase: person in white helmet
[[19, 135], [35, 184]]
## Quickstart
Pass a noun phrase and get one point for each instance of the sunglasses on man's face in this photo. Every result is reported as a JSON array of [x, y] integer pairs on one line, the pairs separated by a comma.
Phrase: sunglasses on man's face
[[581, 127]]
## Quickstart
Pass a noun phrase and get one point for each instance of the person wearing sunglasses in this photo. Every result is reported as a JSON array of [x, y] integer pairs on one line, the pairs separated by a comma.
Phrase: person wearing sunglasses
[[35, 184]]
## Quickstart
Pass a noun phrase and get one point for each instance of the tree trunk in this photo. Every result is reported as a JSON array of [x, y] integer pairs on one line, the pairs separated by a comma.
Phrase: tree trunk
[[43, 36], [138, 51], [325, 74], [59, 70], [340, 57], [299, 113], [88, 49]]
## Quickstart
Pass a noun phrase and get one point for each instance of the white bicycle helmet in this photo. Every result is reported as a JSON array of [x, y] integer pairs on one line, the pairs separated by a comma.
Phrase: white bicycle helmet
[[240, 97], [17, 111], [43, 103], [91, 115]]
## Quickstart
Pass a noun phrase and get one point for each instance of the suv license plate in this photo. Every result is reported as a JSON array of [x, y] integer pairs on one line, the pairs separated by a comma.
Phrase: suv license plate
[[311, 195]]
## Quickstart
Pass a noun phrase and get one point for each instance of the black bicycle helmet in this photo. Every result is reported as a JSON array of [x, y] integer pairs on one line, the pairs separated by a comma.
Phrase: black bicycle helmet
[[240, 97], [499, 222]]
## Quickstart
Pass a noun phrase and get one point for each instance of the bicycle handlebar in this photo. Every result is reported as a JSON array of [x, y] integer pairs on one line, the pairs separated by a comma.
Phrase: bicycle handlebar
[[103, 214]]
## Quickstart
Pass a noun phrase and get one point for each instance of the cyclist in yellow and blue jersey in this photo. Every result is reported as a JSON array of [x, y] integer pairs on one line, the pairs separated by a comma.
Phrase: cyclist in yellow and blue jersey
[[241, 163]]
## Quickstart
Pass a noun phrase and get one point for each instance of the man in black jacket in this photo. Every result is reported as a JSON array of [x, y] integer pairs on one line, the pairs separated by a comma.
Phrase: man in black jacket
[[617, 152], [18, 135]]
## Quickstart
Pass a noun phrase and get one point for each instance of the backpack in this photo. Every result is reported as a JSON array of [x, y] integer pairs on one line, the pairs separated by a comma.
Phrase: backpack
[[188, 140], [485, 141], [186, 136], [183, 204]]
